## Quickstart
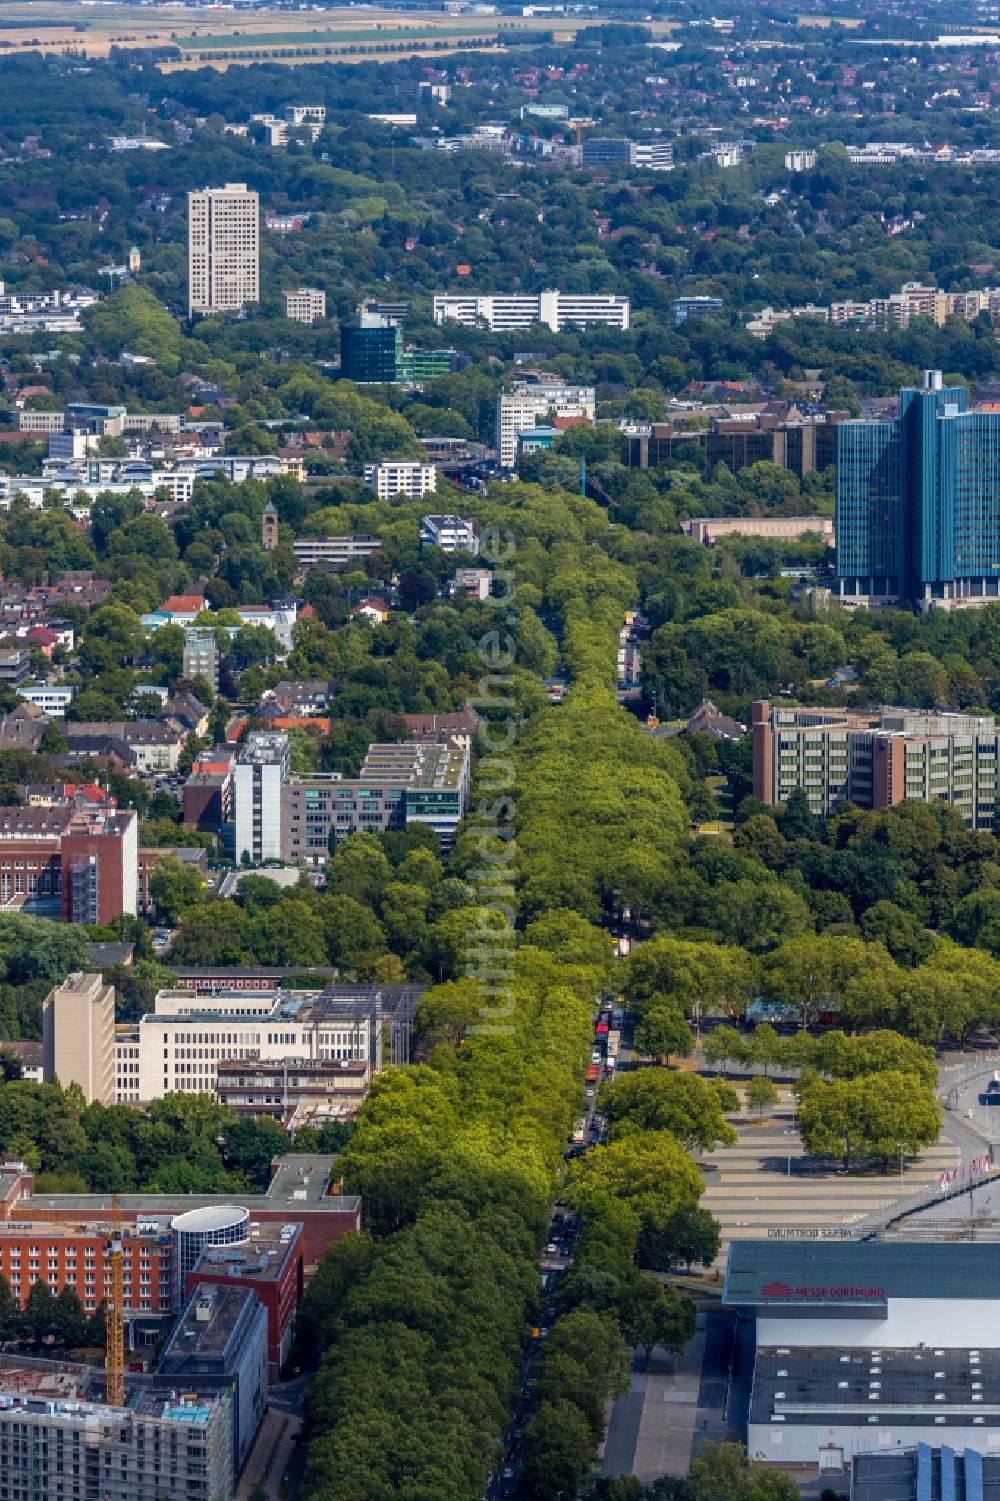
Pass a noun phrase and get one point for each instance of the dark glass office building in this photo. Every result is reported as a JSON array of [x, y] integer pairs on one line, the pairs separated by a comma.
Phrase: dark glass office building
[[918, 503], [370, 349]]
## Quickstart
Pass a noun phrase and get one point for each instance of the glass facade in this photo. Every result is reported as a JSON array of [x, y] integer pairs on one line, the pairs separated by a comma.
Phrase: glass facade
[[918, 501], [869, 503], [370, 354]]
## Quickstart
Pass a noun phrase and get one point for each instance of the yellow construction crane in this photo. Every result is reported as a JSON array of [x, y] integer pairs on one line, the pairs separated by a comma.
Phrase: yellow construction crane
[[114, 1319]]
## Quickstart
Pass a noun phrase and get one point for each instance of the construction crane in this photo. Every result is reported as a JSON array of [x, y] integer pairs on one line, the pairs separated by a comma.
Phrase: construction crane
[[114, 1318]]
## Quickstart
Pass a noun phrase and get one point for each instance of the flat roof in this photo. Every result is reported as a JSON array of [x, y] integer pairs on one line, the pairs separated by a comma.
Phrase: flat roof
[[263, 1257], [210, 1219], [833, 1385], [60, 1392], [299, 1183], [861, 1274], [211, 1317]]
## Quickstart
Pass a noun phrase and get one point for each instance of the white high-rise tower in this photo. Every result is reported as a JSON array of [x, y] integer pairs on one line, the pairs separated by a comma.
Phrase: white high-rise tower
[[223, 249]]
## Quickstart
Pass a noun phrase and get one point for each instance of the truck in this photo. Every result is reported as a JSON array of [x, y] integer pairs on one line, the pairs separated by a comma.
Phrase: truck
[[614, 1042], [593, 1073], [580, 1130]]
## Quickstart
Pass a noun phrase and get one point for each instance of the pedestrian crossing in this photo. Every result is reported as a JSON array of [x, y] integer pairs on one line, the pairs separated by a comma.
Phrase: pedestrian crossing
[[765, 1187]]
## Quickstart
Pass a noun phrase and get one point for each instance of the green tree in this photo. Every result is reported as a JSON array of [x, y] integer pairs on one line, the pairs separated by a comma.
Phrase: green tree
[[657, 1100], [761, 1094], [174, 887], [725, 1045], [689, 1234], [653, 1314], [662, 1031], [722, 1472], [883, 1115], [558, 1450], [650, 1173]]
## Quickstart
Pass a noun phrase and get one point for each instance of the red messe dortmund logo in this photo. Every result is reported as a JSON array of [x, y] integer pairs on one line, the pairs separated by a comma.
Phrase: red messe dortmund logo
[[782, 1290]]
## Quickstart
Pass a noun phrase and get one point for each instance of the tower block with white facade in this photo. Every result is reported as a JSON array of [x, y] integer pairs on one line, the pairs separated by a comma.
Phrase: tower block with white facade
[[223, 249]]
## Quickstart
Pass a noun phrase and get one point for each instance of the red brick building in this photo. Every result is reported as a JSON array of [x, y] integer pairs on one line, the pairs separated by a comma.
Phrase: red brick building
[[302, 1191], [271, 1265], [75, 1256], [71, 861]]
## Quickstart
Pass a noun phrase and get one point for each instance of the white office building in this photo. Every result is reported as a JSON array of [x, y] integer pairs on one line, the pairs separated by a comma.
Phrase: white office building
[[264, 765], [306, 114], [406, 479], [53, 698], [653, 156], [557, 310], [334, 552], [450, 533], [532, 402], [178, 1045], [305, 305], [223, 249]]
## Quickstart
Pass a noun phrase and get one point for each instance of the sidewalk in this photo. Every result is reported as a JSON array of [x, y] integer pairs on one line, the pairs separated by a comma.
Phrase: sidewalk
[[652, 1428], [270, 1455]]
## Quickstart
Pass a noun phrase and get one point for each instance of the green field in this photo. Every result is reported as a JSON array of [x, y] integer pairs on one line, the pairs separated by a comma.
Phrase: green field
[[418, 34]]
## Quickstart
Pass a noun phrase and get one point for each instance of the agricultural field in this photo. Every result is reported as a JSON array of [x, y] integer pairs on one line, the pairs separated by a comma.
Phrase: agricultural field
[[216, 37]]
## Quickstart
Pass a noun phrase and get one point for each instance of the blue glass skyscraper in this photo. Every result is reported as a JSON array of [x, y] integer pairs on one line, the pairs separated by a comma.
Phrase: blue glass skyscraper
[[918, 503]]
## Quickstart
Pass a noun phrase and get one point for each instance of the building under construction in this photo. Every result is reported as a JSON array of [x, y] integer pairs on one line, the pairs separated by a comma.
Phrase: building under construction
[[57, 1442]]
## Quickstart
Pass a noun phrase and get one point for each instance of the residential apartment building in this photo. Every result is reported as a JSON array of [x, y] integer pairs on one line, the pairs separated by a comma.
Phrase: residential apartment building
[[334, 552], [150, 745], [877, 759], [394, 479], [78, 1036], [70, 862], [15, 667], [201, 656], [223, 249], [450, 533], [800, 161], [258, 778], [557, 310], [918, 503], [398, 785], [305, 305], [51, 698], [532, 402], [64, 1444]]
